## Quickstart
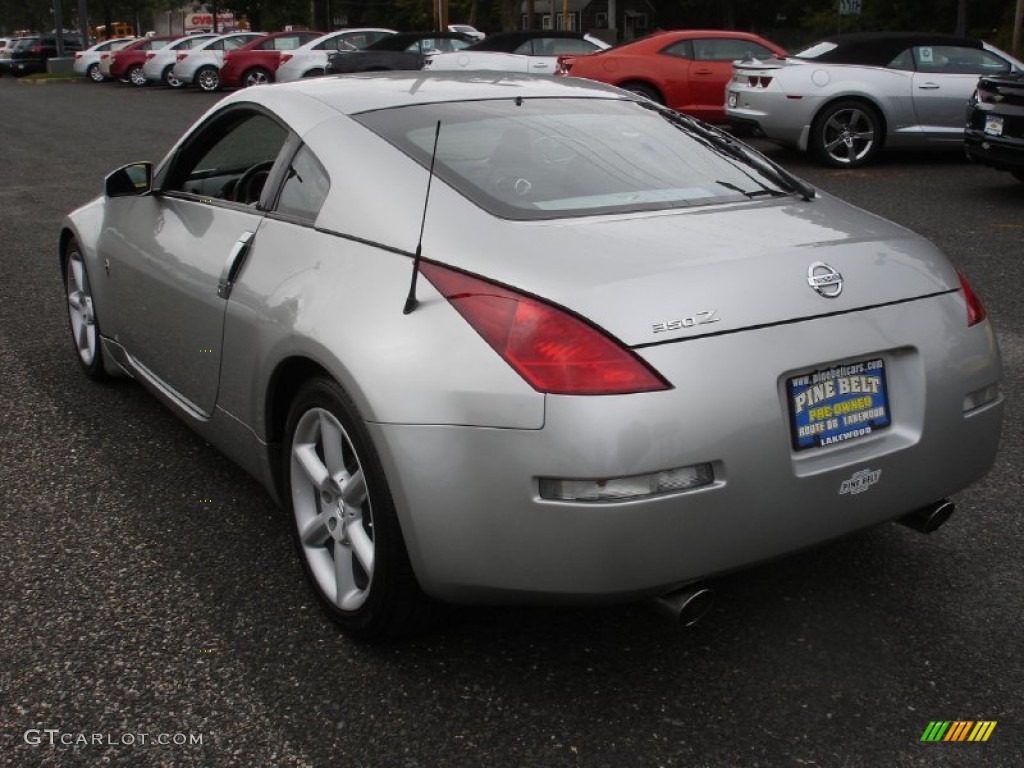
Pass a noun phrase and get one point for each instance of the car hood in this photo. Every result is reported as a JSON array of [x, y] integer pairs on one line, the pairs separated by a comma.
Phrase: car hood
[[666, 276]]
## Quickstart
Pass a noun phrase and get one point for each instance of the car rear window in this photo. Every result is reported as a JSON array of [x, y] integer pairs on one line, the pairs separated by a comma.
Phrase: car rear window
[[552, 158]]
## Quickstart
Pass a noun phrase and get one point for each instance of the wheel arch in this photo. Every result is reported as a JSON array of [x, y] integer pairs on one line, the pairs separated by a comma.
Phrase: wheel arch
[[626, 82], [867, 100]]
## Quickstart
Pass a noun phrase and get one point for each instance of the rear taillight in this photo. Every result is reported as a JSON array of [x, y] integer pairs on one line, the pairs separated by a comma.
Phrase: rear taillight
[[36, 49], [180, 56], [286, 57], [759, 81], [555, 352], [78, 55], [975, 309], [150, 55]]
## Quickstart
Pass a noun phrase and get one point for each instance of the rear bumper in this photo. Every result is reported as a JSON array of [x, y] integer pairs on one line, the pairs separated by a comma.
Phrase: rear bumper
[[1004, 153], [477, 530]]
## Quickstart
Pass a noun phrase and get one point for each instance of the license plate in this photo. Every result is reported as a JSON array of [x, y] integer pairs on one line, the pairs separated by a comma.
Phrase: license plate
[[994, 125], [838, 404], [733, 98]]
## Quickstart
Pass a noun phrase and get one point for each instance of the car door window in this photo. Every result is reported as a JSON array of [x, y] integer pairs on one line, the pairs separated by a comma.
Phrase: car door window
[[228, 159], [305, 187]]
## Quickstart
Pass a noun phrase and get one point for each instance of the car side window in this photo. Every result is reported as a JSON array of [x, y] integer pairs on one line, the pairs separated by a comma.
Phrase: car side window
[[728, 49], [217, 46], [229, 158], [681, 49], [233, 43], [957, 60], [305, 187]]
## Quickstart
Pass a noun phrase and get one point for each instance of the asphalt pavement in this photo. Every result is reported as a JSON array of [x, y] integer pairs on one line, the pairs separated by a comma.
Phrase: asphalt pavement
[[154, 613]]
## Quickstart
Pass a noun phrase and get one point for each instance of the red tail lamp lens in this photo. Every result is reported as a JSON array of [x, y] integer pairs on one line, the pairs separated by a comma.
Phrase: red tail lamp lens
[[553, 351], [975, 309]]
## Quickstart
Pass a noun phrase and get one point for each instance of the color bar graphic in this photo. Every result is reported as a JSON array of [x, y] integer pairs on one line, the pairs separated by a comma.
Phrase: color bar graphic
[[958, 730]]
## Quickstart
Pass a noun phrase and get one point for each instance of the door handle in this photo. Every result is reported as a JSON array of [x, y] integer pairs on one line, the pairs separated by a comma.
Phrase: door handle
[[703, 72], [929, 86], [234, 263]]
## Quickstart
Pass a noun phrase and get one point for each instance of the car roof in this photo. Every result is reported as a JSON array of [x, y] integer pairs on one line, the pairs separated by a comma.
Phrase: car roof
[[251, 45], [509, 41], [315, 99], [403, 40], [880, 48]]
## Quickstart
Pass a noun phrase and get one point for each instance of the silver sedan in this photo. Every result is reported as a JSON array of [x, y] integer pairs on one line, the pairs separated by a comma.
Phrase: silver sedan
[[850, 96], [518, 339]]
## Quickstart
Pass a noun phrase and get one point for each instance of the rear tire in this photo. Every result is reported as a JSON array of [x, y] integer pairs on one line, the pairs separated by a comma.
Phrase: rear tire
[[94, 74], [136, 76], [846, 134], [208, 79], [346, 529], [169, 79], [642, 89], [257, 76]]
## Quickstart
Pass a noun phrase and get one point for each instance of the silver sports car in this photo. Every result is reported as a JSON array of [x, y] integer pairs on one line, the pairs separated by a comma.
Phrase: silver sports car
[[849, 96], [511, 339]]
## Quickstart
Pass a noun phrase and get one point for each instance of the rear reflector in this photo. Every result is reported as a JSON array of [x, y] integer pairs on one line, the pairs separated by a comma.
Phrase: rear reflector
[[555, 352], [975, 309]]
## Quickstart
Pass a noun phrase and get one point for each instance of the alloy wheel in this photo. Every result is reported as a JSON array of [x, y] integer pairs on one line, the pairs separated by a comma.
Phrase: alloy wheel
[[136, 76], [332, 509], [80, 308], [208, 79], [94, 74]]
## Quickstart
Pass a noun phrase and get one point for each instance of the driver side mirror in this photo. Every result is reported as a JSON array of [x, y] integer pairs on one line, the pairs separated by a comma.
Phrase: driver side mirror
[[129, 180]]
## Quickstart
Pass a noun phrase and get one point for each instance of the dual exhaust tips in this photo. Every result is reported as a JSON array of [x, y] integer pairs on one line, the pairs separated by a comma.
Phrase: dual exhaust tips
[[687, 606]]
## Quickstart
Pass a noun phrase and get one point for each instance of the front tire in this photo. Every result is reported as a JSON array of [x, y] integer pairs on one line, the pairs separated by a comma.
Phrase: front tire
[[345, 525], [137, 76], [208, 79], [846, 134], [85, 327]]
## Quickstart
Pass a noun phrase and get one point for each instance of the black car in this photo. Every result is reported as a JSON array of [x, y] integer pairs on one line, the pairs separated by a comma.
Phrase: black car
[[406, 50], [33, 52], [995, 123]]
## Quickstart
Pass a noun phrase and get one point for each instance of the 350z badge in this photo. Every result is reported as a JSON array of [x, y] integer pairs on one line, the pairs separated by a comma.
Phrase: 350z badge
[[703, 317]]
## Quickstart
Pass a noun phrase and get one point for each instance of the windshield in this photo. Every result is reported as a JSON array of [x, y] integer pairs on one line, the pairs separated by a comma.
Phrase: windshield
[[550, 158]]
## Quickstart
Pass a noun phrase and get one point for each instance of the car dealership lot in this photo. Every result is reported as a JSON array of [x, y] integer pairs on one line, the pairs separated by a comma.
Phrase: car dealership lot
[[152, 587]]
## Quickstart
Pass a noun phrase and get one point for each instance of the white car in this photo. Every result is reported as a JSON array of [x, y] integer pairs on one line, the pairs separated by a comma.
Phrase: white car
[[87, 62], [159, 66], [310, 59], [201, 66], [533, 52]]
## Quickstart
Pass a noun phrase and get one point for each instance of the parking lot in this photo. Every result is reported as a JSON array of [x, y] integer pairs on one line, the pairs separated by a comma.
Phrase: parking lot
[[152, 591]]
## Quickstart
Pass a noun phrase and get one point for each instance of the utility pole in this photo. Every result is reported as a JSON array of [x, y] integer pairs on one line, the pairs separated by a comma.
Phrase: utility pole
[[1018, 13], [83, 23]]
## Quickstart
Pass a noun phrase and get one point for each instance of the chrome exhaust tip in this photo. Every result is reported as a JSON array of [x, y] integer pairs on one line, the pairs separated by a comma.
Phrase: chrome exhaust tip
[[929, 519], [686, 606]]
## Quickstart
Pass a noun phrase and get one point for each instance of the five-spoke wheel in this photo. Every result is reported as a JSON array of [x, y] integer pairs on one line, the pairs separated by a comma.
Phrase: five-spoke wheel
[[846, 134], [346, 527], [85, 333]]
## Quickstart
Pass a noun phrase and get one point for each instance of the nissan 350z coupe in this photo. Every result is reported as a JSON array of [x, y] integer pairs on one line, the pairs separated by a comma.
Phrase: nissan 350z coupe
[[529, 341]]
